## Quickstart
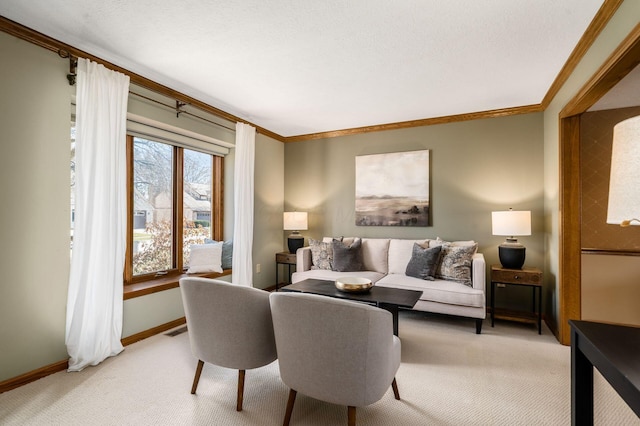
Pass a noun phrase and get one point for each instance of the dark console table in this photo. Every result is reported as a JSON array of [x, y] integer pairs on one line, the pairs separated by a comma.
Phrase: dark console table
[[615, 351]]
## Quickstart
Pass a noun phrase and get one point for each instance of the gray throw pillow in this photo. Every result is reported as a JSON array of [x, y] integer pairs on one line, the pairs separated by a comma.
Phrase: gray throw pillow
[[347, 258], [227, 252], [424, 262]]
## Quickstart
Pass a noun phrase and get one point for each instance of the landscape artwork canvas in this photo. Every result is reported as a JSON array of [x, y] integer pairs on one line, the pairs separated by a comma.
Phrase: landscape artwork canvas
[[393, 189]]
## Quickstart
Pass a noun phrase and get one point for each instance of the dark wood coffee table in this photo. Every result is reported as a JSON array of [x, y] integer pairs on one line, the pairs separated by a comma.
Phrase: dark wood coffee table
[[390, 299]]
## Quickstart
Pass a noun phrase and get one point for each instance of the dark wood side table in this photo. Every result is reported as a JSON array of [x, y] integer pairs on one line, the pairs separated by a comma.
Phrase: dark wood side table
[[613, 350], [288, 259], [530, 277]]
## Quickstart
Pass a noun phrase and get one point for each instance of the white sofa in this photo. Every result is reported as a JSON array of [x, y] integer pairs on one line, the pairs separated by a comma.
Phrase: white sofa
[[385, 261]]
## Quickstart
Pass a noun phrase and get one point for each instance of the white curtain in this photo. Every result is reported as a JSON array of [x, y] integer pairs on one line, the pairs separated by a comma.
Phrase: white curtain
[[94, 301], [243, 205]]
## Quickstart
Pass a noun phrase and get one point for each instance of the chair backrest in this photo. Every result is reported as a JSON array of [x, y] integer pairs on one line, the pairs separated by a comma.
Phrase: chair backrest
[[334, 350], [229, 325]]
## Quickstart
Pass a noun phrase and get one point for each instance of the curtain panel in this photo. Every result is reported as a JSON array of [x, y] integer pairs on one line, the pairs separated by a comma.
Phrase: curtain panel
[[94, 302], [243, 188]]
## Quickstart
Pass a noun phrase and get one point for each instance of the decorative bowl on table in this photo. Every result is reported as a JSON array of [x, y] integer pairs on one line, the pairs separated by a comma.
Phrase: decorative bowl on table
[[354, 284]]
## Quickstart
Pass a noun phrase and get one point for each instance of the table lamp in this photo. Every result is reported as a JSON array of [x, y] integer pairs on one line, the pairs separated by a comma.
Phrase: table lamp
[[511, 223], [295, 221], [624, 183]]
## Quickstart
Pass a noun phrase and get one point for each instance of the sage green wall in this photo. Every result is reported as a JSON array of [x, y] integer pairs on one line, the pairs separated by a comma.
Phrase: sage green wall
[[620, 25], [268, 204], [476, 167], [34, 226]]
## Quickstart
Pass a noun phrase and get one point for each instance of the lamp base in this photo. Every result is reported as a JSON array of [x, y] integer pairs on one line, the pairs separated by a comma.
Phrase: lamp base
[[295, 241], [511, 255]]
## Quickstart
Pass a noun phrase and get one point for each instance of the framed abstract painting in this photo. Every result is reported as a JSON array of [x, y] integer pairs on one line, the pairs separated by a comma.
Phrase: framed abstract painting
[[393, 189]]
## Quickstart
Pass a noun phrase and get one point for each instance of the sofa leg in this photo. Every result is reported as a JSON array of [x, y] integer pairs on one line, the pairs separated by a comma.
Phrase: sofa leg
[[479, 326]]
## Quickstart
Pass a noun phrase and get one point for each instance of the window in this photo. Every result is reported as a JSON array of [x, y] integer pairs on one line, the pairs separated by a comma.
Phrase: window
[[175, 200]]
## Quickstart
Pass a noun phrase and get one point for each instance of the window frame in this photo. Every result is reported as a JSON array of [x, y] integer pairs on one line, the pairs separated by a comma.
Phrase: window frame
[[157, 281]]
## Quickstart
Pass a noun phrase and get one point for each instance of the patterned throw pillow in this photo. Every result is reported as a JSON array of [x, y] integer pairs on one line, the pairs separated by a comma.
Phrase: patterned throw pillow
[[347, 258], [424, 262], [321, 254], [456, 263]]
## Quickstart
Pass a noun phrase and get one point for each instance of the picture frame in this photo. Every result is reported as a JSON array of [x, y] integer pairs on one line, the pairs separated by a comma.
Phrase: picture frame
[[393, 189]]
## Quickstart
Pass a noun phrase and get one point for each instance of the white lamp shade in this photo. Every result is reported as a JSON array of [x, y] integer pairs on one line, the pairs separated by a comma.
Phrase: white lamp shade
[[624, 185], [295, 221], [511, 223]]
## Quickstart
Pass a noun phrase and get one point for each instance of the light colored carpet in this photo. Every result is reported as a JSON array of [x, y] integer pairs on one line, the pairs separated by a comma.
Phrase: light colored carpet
[[508, 375]]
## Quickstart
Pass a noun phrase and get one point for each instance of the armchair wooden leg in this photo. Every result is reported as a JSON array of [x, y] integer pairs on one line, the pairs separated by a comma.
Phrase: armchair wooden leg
[[240, 390], [394, 386], [352, 416], [290, 402], [479, 326], [196, 379]]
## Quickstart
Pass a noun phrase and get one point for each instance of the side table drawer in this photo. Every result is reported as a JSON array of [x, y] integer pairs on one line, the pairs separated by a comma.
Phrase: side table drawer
[[284, 257], [516, 277]]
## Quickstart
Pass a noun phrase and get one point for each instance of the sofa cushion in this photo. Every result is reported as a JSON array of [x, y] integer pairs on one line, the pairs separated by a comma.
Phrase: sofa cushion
[[441, 291], [424, 262], [456, 263], [400, 254], [321, 254], [375, 254], [347, 258]]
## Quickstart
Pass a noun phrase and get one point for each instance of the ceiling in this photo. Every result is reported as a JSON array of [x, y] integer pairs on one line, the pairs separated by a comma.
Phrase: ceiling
[[297, 67]]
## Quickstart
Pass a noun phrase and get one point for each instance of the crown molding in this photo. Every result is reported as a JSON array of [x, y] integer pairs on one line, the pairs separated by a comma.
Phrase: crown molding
[[503, 112], [620, 63], [65, 50], [599, 22]]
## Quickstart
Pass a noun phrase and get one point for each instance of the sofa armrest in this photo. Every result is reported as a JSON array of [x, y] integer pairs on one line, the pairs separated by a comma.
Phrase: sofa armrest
[[478, 272], [303, 259]]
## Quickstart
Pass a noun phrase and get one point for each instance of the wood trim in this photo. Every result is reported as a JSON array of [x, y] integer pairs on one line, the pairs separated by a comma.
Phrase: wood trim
[[503, 112], [620, 63], [163, 283], [153, 331], [599, 22], [32, 376], [624, 58], [128, 255], [56, 367], [570, 242], [178, 206], [217, 204], [39, 39], [608, 252]]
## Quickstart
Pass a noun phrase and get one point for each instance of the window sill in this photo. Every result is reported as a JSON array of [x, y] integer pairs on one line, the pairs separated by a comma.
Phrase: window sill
[[163, 283]]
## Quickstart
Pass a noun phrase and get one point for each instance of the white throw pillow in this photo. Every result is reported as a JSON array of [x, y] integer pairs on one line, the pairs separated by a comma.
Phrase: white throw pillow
[[205, 258], [375, 254]]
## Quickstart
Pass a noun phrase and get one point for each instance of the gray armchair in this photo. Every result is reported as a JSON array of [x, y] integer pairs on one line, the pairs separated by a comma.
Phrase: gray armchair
[[334, 350], [229, 325]]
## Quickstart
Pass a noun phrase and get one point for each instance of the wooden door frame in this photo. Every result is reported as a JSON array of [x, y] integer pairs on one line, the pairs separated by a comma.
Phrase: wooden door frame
[[622, 61]]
